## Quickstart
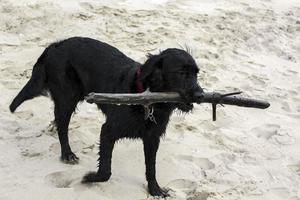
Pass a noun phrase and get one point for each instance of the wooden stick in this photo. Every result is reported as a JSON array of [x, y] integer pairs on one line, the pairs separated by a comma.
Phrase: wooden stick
[[148, 98]]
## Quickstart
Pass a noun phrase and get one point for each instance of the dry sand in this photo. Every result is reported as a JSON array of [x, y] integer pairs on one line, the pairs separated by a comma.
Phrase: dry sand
[[248, 45]]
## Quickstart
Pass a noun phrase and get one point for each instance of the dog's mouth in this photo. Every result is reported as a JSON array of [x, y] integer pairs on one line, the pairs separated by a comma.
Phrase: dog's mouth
[[185, 107]]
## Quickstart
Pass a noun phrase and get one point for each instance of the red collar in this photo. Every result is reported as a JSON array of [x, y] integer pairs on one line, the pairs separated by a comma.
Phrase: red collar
[[139, 85]]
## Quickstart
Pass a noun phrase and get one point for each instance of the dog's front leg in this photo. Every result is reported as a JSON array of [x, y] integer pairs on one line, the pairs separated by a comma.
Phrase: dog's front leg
[[151, 144]]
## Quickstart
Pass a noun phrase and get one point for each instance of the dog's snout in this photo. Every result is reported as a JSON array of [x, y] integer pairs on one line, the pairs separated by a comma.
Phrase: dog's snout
[[199, 89], [196, 89]]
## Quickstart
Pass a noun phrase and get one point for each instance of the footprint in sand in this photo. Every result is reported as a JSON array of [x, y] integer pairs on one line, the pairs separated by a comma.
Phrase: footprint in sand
[[281, 192], [293, 93], [285, 106], [290, 73], [24, 114], [213, 79], [258, 80], [55, 148], [183, 127], [242, 73], [200, 195], [266, 131], [83, 16], [30, 154], [295, 168], [187, 188], [273, 131], [203, 163], [62, 179], [183, 185]]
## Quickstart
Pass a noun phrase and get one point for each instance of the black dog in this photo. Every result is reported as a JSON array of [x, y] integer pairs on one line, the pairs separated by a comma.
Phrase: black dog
[[77, 66]]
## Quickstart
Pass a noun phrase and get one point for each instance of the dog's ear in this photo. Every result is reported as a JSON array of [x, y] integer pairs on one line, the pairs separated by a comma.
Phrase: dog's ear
[[153, 65]]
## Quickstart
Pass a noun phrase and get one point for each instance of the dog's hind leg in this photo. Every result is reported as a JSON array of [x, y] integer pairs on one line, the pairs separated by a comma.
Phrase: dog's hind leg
[[64, 105], [105, 153], [63, 113], [62, 120]]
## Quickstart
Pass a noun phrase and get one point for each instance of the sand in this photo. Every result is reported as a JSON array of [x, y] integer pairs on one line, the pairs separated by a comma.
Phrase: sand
[[248, 45]]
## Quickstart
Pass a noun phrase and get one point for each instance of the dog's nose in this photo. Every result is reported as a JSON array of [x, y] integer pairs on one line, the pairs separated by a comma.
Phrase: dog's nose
[[197, 89]]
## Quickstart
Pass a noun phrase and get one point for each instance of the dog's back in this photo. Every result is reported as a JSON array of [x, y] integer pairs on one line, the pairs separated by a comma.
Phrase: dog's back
[[80, 65]]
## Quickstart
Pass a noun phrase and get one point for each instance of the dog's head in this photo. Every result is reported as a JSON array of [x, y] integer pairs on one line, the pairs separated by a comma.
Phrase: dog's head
[[173, 70]]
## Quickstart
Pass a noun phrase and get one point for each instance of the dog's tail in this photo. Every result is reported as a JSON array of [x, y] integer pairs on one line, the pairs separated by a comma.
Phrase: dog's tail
[[35, 86]]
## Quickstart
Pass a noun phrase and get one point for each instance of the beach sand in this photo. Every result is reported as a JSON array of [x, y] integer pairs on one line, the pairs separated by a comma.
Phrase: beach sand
[[247, 45]]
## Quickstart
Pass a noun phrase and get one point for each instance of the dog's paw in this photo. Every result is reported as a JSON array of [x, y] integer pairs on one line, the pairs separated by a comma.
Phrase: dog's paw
[[69, 158], [157, 191], [95, 177]]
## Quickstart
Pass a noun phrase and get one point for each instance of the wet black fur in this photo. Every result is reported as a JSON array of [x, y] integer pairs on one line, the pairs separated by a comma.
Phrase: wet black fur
[[72, 68]]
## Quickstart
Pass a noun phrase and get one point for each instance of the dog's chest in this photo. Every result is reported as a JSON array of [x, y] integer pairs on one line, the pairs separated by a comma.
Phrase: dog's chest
[[154, 123]]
